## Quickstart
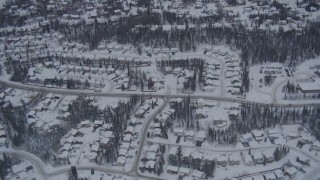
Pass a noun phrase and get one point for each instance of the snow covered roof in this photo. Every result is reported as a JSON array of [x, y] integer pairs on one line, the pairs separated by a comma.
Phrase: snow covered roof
[[123, 152], [258, 177], [279, 173], [150, 164], [196, 155], [291, 171], [127, 137], [173, 151], [257, 133], [121, 160], [184, 170], [153, 148], [189, 133], [173, 168], [234, 157], [198, 174], [201, 135], [268, 153], [222, 158], [314, 86], [129, 129], [178, 131], [105, 141], [270, 176], [256, 155]]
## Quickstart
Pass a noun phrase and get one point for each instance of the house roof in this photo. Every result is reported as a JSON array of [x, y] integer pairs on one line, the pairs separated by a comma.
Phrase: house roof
[[173, 150], [201, 135], [153, 148], [257, 133], [127, 137], [173, 168], [256, 155], [184, 170], [291, 171], [270, 176], [268, 153], [234, 157], [279, 173], [105, 141]]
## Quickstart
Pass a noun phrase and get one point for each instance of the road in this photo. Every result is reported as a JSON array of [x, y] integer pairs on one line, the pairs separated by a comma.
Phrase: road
[[144, 134], [134, 172], [128, 94]]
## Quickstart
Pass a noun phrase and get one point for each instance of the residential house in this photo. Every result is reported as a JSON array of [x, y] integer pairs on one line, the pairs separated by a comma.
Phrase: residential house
[[173, 153], [150, 165], [127, 138], [172, 169], [279, 174], [129, 130], [246, 138], [208, 158], [316, 146], [290, 171], [201, 136], [198, 175], [222, 160], [105, 143], [97, 123], [269, 155], [178, 131], [273, 134], [184, 171], [234, 159], [189, 135], [270, 176], [201, 113], [258, 135], [121, 161], [257, 157], [247, 159]]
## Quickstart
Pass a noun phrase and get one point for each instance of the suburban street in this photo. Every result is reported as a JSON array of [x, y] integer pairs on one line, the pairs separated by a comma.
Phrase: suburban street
[[128, 94], [47, 172]]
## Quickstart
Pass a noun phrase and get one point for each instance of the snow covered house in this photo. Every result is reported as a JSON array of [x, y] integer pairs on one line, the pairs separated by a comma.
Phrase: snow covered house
[[290, 171], [247, 159], [270, 176], [258, 135], [97, 123], [269, 155], [257, 157], [198, 175], [273, 134], [208, 158], [189, 135], [279, 174], [201, 113], [222, 160], [150, 166], [316, 146], [303, 160], [234, 159], [246, 138], [178, 131], [184, 171], [201, 136], [129, 130], [105, 143], [173, 153], [172, 169]]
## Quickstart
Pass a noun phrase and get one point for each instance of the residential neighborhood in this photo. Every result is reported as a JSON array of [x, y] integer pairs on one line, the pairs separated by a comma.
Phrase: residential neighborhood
[[157, 89]]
